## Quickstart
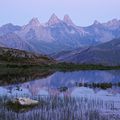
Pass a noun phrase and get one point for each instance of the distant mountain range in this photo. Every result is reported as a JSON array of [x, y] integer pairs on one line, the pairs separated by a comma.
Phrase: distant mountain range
[[57, 35], [104, 54]]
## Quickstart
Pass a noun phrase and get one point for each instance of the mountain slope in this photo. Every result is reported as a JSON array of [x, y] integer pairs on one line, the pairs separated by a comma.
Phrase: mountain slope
[[12, 40], [106, 54], [8, 28], [15, 56]]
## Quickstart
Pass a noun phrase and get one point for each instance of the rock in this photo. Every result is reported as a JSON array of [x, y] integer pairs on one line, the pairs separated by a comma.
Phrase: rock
[[63, 89], [25, 102]]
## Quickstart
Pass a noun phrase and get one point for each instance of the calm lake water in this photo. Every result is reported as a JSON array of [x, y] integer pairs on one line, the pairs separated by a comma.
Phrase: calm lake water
[[93, 85], [77, 84]]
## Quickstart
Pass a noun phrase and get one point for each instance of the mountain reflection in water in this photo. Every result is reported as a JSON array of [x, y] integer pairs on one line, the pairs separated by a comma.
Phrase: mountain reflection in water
[[63, 83]]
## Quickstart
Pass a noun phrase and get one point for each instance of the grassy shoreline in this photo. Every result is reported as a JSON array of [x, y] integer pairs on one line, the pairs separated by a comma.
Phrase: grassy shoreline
[[56, 67], [57, 108]]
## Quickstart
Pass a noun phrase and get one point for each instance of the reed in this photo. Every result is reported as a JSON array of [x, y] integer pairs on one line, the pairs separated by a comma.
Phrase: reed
[[59, 108]]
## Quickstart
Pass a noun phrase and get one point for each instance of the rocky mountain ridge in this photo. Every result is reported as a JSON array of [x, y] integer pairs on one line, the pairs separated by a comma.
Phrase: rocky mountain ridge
[[104, 54], [57, 35]]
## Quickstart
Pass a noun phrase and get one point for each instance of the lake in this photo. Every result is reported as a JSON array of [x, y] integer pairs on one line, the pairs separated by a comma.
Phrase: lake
[[101, 89]]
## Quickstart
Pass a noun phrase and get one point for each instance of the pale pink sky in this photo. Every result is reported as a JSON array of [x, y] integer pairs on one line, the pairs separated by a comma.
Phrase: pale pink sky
[[83, 12]]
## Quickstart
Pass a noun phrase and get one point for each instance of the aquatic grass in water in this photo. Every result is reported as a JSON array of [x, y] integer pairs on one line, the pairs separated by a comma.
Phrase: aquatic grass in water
[[60, 108], [103, 86]]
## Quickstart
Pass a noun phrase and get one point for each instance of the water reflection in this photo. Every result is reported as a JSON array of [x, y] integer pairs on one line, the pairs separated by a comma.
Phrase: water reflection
[[13, 78], [64, 83]]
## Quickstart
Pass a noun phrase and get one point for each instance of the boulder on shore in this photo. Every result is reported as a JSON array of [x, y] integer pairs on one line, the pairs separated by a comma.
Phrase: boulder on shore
[[25, 102]]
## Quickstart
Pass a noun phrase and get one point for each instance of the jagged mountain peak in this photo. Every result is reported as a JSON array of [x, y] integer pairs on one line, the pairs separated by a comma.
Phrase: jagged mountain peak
[[9, 28], [68, 20], [54, 15], [34, 21], [8, 24], [113, 22], [96, 22], [53, 20]]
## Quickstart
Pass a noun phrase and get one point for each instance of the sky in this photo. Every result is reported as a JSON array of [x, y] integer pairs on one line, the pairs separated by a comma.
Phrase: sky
[[82, 12]]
